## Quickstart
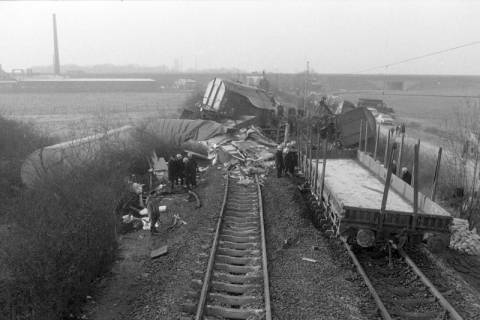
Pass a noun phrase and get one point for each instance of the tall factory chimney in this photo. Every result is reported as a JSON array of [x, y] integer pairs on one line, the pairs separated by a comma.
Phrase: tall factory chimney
[[56, 57]]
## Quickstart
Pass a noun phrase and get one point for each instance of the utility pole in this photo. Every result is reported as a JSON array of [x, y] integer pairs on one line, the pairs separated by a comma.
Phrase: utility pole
[[56, 56], [305, 90]]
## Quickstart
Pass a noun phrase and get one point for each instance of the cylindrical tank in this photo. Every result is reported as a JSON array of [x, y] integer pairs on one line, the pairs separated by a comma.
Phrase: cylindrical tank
[[71, 154], [68, 155]]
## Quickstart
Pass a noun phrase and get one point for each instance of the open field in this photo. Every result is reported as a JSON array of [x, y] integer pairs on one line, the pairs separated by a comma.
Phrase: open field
[[427, 116], [67, 115]]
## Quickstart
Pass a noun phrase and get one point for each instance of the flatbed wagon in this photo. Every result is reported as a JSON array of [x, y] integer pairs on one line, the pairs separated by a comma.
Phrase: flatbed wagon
[[351, 200]]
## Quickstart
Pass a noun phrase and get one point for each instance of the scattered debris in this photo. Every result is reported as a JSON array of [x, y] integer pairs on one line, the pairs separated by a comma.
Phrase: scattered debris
[[135, 187], [464, 240], [177, 221], [197, 198], [159, 252]]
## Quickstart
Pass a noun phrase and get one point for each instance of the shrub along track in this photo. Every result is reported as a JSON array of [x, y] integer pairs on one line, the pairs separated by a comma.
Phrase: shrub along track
[[235, 284]]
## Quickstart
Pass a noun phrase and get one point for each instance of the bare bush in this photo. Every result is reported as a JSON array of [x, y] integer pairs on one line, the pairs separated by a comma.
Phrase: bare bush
[[464, 145], [61, 234]]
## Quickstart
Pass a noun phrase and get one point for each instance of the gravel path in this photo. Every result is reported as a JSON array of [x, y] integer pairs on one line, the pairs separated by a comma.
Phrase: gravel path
[[325, 289]]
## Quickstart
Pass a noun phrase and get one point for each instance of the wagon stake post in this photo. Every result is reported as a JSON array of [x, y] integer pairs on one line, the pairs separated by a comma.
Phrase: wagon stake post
[[360, 136], [387, 186], [317, 154], [387, 147], [366, 136], [377, 137], [436, 175], [400, 151], [415, 185], [324, 165]]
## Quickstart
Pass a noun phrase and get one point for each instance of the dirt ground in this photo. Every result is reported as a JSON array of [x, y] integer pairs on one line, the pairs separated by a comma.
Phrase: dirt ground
[[144, 288], [325, 288]]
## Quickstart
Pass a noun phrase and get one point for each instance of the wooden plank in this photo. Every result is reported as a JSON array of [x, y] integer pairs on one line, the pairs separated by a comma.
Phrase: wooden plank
[[377, 137], [159, 252]]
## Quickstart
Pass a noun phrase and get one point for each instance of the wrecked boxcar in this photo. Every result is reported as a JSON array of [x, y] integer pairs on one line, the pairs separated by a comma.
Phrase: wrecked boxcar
[[226, 99]]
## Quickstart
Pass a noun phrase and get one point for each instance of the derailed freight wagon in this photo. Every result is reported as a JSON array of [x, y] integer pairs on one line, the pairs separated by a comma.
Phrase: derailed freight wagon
[[224, 99], [348, 126], [351, 203]]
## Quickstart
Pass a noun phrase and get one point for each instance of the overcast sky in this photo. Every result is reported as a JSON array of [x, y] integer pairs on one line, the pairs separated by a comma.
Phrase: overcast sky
[[335, 36]]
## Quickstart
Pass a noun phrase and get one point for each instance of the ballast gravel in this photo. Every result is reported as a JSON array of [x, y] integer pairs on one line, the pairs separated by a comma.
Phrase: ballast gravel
[[311, 276]]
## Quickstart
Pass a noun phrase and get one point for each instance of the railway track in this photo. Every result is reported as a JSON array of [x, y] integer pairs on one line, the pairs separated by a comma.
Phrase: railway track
[[400, 289], [398, 286], [235, 283]]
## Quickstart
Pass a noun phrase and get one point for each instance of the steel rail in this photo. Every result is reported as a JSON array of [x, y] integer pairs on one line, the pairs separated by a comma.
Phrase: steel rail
[[211, 259], [205, 290], [441, 299], [372, 290], [266, 288]]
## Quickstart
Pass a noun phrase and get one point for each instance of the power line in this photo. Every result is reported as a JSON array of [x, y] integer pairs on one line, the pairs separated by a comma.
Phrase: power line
[[421, 57], [407, 94]]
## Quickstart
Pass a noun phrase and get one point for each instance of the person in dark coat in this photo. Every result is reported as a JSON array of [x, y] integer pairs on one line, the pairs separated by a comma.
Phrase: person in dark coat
[[180, 169], [153, 202], [290, 161], [172, 170], [191, 172], [406, 175], [279, 163]]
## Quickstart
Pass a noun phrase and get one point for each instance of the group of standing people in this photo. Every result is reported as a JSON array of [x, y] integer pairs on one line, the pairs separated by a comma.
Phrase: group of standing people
[[182, 171], [286, 159]]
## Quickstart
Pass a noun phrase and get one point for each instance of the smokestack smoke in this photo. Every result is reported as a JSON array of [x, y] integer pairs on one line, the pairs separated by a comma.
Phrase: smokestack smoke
[[56, 57]]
